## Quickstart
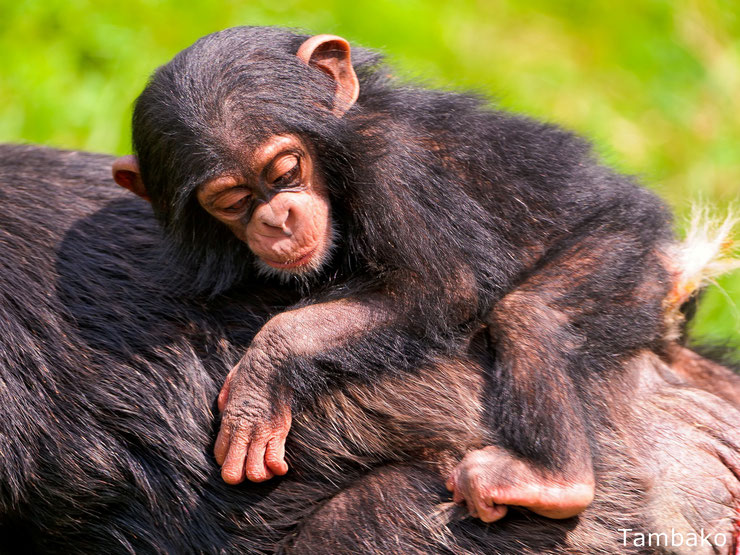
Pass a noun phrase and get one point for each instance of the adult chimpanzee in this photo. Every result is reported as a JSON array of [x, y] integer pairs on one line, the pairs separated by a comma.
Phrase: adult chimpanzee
[[405, 218], [107, 384]]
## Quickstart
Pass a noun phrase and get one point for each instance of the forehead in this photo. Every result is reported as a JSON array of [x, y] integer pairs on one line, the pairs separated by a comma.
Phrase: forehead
[[253, 157], [252, 160], [266, 151]]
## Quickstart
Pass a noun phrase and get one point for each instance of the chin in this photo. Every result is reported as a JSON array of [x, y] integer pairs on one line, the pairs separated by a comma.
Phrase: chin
[[304, 272]]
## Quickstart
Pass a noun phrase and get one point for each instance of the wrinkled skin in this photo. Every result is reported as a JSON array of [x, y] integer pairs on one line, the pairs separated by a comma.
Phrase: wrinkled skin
[[261, 437], [489, 480]]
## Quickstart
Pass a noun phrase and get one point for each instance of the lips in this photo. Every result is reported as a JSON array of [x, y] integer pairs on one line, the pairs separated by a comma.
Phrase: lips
[[295, 263]]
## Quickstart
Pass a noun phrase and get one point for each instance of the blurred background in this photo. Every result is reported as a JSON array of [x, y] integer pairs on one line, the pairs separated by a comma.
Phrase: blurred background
[[655, 84]]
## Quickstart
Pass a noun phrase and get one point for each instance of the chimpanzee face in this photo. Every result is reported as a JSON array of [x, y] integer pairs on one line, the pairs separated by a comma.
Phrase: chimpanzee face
[[278, 205], [275, 198]]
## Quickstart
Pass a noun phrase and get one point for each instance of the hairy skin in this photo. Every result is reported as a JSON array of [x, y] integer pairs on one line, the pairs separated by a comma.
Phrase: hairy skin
[[429, 215]]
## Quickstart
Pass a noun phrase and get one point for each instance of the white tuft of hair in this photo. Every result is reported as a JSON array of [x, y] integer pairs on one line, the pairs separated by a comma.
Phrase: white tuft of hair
[[708, 251]]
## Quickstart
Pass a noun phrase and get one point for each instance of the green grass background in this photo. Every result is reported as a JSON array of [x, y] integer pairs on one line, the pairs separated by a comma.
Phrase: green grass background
[[654, 83]]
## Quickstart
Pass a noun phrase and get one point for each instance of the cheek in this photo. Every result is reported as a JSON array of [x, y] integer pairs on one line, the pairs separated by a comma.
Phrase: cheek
[[310, 220], [240, 230]]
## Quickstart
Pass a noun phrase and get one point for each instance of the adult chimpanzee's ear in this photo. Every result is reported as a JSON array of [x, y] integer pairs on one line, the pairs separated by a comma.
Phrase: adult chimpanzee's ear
[[126, 174], [331, 54]]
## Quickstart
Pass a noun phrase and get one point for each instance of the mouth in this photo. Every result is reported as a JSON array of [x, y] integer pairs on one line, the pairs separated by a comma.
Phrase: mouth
[[290, 264]]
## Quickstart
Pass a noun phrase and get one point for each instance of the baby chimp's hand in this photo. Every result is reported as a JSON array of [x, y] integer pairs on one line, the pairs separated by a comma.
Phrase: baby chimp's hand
[[490, 479], [251, 442]]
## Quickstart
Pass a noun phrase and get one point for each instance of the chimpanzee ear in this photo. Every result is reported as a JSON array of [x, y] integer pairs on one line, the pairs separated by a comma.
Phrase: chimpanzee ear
[[126, 174], [331, 54]]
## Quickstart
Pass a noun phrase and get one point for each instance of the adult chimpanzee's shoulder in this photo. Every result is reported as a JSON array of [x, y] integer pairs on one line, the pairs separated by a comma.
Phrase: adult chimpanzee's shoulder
[[18, 160]]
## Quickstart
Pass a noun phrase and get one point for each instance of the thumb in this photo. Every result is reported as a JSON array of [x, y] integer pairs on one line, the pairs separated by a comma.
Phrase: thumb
[[223, 395]]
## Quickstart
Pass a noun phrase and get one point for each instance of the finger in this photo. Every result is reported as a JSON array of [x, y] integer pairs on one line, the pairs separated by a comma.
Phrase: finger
[[481, 503], [256, 470], [450, 483], [221, 447], [486, 507], [223, 395], [232, 470], [275, 456], [492, 513], [457, 495]]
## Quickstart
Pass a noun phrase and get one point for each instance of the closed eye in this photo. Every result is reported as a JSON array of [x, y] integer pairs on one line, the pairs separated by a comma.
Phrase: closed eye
[[237, 206], [289, 177]]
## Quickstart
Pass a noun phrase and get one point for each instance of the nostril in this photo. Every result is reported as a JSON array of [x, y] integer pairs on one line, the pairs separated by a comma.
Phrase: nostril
[[271, 227]]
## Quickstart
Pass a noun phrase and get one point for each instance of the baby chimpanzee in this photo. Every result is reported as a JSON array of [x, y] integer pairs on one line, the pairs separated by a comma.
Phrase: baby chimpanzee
[[401, 219]]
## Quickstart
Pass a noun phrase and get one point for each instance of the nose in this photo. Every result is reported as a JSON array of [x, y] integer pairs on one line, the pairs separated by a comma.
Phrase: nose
[[273, 216]]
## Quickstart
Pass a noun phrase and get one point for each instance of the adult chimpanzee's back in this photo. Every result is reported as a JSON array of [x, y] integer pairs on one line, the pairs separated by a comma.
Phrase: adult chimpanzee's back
[[108, 384]]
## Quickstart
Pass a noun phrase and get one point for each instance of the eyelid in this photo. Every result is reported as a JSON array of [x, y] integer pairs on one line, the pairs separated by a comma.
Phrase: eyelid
[[273, 173], [222, 204]]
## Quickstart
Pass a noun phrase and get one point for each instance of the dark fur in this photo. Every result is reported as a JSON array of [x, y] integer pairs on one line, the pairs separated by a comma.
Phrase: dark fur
[[107, 385], [442, 202]]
